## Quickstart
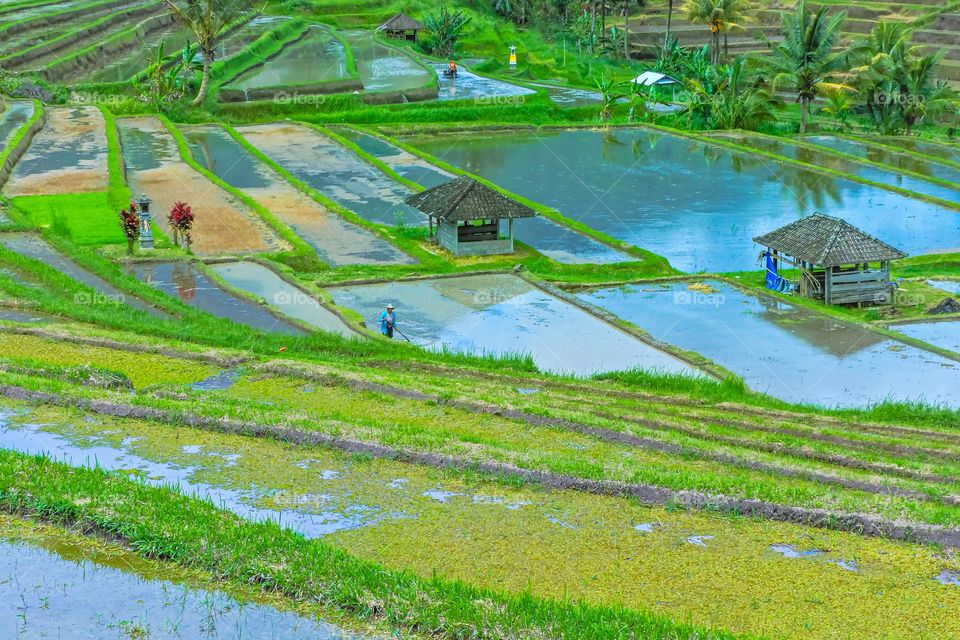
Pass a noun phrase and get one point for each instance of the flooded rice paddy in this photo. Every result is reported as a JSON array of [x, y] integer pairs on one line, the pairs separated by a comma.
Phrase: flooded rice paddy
[[549, 238], [503, 314], [586, 547], [191, 286], [261, 282], [902, 161], [12, 118], [335, 240], [941, 333], [69, 155], [335, 171], [59, 585], [36, 248], [785, 351], [130, 64], [384, 68], [154, 167], [696, 204], [926, 147], [316, 58], [239, 39], [470, 86], [951, 286], [827, 160]]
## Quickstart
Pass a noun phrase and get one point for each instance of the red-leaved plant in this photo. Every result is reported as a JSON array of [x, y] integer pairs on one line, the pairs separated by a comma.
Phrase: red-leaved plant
[[181, 221], [130, 223]]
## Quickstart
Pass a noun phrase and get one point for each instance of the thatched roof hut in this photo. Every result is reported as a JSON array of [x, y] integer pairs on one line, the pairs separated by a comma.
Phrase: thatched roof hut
[[402, 26], [838, 262], [468, 216]]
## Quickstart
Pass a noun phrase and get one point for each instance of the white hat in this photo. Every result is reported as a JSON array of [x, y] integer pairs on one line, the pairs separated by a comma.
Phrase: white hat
[[390, 306]]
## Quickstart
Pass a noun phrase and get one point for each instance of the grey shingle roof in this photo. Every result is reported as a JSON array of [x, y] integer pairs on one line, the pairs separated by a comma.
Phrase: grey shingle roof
[[401, 22], [828, 242], [464, 199]]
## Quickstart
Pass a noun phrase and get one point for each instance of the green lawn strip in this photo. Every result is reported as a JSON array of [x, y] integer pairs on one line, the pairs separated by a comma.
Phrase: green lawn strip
[[85, 218], [376, 162], [162, 524], [655, 265], [732, 146], [301, 252]]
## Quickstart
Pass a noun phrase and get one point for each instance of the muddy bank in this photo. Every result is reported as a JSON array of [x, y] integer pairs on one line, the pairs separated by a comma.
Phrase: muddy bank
[[69, 155], [223, 225]]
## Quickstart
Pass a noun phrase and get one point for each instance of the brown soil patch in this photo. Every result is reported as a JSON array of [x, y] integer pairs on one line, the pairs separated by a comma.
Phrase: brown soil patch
[[222, 225], [340, 241]]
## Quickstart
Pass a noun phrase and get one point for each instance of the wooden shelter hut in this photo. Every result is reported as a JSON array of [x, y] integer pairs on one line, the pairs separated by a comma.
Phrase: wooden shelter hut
[[838, 263], [402, 27], [468, 216]]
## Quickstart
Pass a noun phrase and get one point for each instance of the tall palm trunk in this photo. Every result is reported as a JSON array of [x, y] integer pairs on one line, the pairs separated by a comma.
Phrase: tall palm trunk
[[205, 83], [626, 32], [666, 40], [804, 107]]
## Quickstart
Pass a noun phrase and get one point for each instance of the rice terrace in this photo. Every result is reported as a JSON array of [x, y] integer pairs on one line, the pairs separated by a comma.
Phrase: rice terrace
[[479, 319]]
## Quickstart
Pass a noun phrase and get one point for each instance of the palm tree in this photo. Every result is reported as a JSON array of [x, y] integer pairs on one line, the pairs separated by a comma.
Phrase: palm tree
[[898, 81], [208, 20], [719, 15], [736, 102], [666, 39], [807, 60]]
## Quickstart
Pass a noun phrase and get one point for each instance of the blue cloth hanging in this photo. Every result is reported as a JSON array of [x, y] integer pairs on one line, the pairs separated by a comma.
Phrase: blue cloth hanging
[[775, 281]]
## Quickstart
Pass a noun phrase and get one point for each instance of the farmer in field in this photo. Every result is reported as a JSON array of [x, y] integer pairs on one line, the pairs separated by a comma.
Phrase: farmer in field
[[388, 321]]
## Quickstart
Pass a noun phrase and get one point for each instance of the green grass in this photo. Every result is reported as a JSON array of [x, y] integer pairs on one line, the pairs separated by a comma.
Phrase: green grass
[[162, 524], [85, 218]]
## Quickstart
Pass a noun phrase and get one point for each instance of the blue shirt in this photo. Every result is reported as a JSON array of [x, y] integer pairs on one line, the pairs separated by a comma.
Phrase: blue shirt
[[387, 320]]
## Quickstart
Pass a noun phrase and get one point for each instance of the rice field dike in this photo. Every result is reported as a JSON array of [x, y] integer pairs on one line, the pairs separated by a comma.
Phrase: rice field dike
[[368, 319]]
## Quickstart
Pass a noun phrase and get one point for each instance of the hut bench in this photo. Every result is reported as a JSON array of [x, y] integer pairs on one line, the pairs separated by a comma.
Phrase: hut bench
[[839, 263]]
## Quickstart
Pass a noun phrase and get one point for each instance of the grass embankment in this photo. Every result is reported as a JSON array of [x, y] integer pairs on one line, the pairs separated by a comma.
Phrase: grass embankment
[[486, 528], [588, 431], [163, 524]]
